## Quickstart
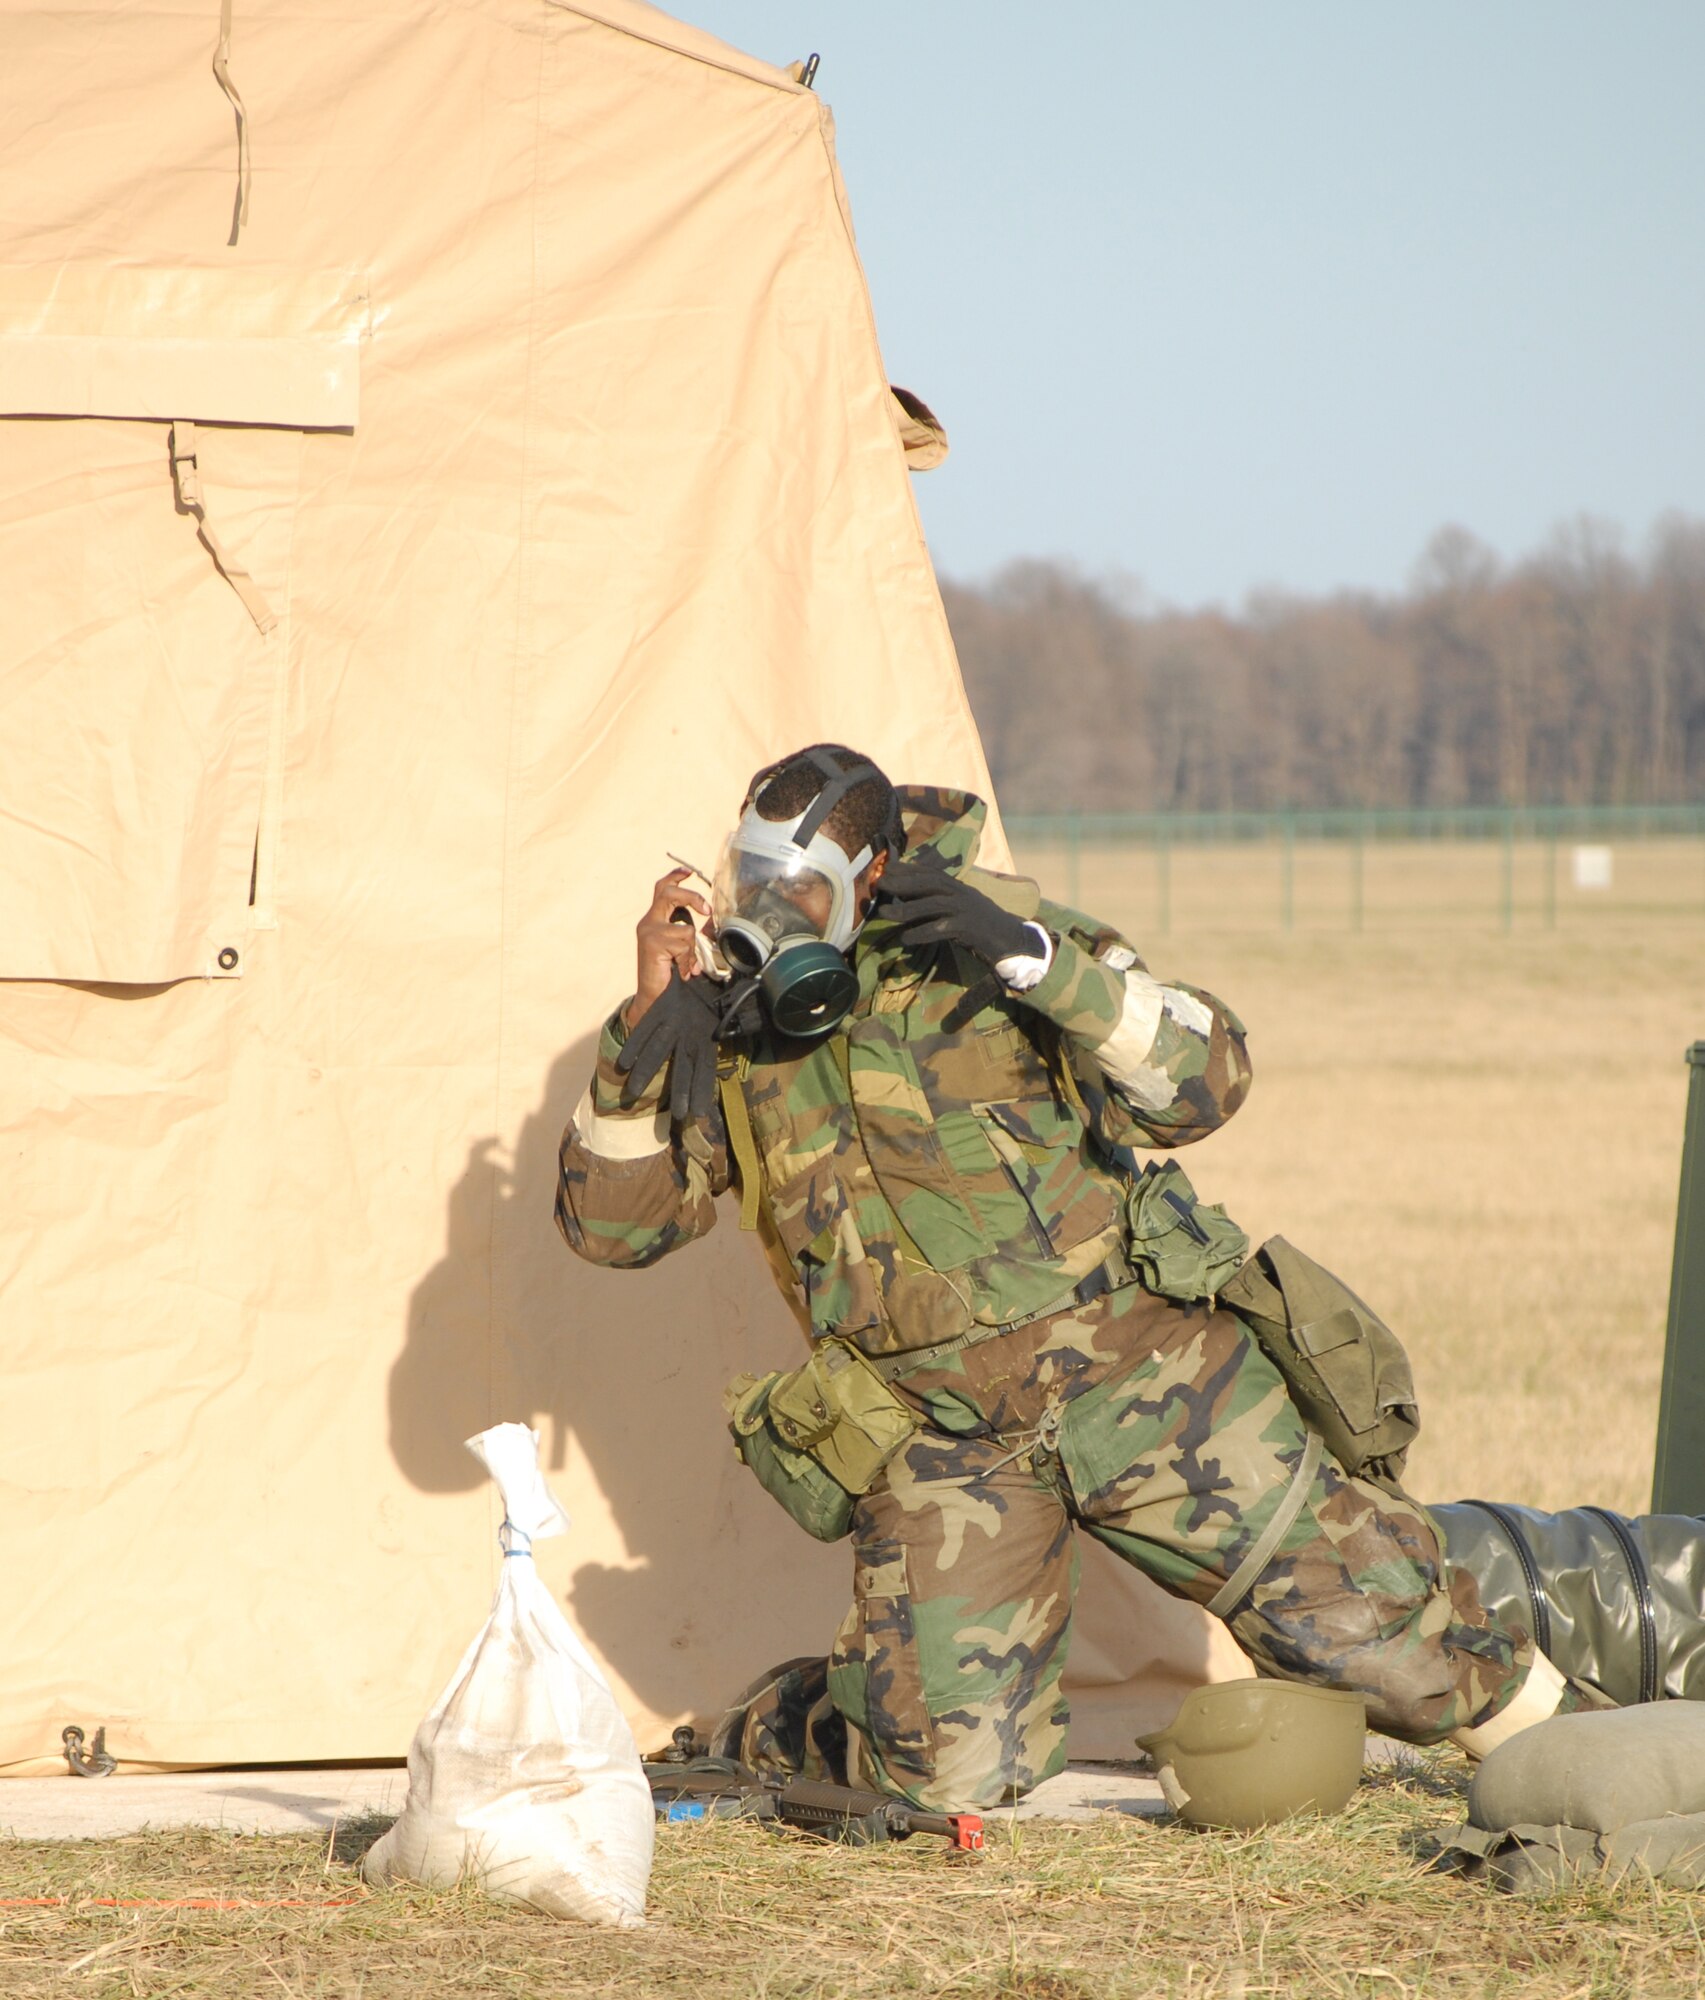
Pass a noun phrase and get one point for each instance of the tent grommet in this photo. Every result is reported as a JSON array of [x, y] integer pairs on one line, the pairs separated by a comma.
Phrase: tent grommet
[[228, 959]]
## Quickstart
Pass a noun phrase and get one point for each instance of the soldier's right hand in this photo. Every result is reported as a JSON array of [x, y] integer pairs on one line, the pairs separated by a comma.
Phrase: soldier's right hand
[[678, 1033], [666, 941]]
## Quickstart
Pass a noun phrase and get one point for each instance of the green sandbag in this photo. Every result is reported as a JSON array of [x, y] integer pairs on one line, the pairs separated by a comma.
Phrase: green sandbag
[[1535, 1860], [1599, 1770], [1598, 1794], [1671, 1849]]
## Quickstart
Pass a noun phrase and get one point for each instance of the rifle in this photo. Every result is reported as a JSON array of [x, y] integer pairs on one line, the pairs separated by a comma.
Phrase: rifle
[[689, 1787]]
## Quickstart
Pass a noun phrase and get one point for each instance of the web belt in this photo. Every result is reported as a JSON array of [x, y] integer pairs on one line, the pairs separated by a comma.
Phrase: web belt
[[1108, 1276]]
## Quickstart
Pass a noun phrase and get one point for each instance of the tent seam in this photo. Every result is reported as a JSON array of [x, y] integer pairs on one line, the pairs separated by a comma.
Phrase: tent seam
[[868, 312], [522, 584], [780, 81]]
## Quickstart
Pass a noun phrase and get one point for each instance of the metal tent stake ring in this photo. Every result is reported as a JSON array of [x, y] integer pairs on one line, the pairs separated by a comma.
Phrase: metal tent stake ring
[[100, 1762]]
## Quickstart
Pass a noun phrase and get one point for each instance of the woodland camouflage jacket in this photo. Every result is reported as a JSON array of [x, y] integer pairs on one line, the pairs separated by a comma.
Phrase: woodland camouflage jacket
[[955, 1155]]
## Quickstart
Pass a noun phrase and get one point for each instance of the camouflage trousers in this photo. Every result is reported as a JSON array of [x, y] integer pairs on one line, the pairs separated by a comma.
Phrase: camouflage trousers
[[1165, 1432]]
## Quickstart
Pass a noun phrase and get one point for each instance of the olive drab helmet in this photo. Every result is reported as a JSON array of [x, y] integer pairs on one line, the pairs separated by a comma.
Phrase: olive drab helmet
[[1244, 1753]]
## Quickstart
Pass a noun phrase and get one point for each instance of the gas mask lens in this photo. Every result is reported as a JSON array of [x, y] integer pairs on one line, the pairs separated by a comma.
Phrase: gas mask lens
[[762, 901], [783, 918]]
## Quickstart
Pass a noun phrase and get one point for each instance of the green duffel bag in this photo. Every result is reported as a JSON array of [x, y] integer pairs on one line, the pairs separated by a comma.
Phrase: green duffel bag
[[814, 1498], [1345, 1368], [1181, 1248]]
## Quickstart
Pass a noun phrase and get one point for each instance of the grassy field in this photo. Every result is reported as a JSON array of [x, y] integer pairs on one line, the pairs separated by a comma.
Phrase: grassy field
[[1103, 1911], [1481, 1132], [1390, 886]]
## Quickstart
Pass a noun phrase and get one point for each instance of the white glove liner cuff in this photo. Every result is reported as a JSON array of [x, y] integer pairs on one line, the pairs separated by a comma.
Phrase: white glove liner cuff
[[1020, 972]]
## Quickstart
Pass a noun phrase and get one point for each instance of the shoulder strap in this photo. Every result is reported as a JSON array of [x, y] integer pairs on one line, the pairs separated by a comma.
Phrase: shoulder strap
[[753, 1213], [742, 1145]]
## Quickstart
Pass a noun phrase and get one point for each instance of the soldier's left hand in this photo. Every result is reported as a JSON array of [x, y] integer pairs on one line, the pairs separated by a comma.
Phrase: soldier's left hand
[[933, 906]]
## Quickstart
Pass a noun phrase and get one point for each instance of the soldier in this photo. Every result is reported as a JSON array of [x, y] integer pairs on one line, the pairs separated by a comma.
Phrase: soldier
[[932, 1084]]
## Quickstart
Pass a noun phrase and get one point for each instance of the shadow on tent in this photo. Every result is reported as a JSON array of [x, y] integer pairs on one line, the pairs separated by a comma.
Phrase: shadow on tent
[[626, 1369]]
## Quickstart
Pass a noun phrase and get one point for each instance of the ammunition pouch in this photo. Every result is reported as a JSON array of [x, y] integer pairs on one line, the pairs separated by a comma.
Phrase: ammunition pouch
[[1180, 1248], [820, 1504], [820, 1436], [1344, 1367]]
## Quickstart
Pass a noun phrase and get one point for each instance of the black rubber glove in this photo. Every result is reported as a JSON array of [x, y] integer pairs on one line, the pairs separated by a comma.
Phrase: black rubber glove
[[931, 906], [682, 1027], [678, 1028]]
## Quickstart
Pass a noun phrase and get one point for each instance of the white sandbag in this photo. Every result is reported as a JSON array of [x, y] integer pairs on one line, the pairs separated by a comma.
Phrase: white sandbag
[[525, 1778]]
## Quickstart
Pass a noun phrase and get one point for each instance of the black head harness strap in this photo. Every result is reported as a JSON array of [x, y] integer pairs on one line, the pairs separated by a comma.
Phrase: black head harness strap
[[837, 783]]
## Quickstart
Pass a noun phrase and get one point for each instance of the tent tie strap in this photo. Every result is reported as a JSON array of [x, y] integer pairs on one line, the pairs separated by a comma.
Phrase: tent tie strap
[[186, 477], [222, 70]]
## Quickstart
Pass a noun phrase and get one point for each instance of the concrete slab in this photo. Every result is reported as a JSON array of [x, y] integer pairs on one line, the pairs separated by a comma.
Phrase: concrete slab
[[1085, 1791], [287, 1801], [313, 1801], [298, 1801]]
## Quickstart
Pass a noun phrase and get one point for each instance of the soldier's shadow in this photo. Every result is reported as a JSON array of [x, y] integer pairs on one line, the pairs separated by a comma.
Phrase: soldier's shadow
[[621, 1372]]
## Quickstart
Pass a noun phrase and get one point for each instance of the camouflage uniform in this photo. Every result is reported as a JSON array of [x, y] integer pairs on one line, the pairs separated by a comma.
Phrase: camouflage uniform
[[944, 1178]]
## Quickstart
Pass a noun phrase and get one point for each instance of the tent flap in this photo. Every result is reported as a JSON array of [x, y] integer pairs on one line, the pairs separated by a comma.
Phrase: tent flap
[[141, 661], [246, 346]]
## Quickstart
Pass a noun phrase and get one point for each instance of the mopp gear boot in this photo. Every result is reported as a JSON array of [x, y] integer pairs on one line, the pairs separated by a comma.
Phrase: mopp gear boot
[[1244, 1753]]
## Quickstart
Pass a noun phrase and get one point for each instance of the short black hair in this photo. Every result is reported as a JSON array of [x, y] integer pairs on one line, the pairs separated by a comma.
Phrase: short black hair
[[867, 816]]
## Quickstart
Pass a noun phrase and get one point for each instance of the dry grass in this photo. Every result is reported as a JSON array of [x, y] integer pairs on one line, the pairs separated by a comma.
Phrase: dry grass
[[1401, 887], [1113, 1908]]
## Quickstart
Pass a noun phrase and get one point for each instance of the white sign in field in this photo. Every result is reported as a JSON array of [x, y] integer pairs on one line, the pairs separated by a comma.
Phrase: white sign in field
[[1592, 867]]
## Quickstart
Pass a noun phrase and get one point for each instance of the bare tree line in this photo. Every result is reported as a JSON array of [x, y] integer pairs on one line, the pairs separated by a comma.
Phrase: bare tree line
[[1576, 677]]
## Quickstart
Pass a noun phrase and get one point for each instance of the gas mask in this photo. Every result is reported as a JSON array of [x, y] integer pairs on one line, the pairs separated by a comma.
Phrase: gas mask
[[785, 903]]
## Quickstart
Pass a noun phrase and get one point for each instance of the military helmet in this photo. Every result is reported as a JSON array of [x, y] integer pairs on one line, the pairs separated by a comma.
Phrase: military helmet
[[1243, 1753]]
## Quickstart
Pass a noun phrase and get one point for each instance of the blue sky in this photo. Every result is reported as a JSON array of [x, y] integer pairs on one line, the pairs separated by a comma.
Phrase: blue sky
[[1248, 295]]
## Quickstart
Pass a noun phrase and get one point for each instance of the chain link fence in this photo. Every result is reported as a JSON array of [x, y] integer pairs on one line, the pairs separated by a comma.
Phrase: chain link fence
[[1520, 868]]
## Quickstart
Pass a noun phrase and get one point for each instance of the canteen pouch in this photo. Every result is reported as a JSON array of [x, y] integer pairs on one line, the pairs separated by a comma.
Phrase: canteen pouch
[[1180, 1247], [1345, 1368], [817, 1502], [841, 1413]]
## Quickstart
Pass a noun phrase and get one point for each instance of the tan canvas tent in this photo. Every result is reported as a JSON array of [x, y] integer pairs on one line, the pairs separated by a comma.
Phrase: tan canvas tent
[[388, 573]]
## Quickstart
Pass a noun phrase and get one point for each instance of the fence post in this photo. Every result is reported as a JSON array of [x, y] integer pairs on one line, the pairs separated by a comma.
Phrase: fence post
[[1163, 873], [1074, 893], [1551, 883], [1356, 878], [1288, 867], [1678, 1473], [1509, 878]]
